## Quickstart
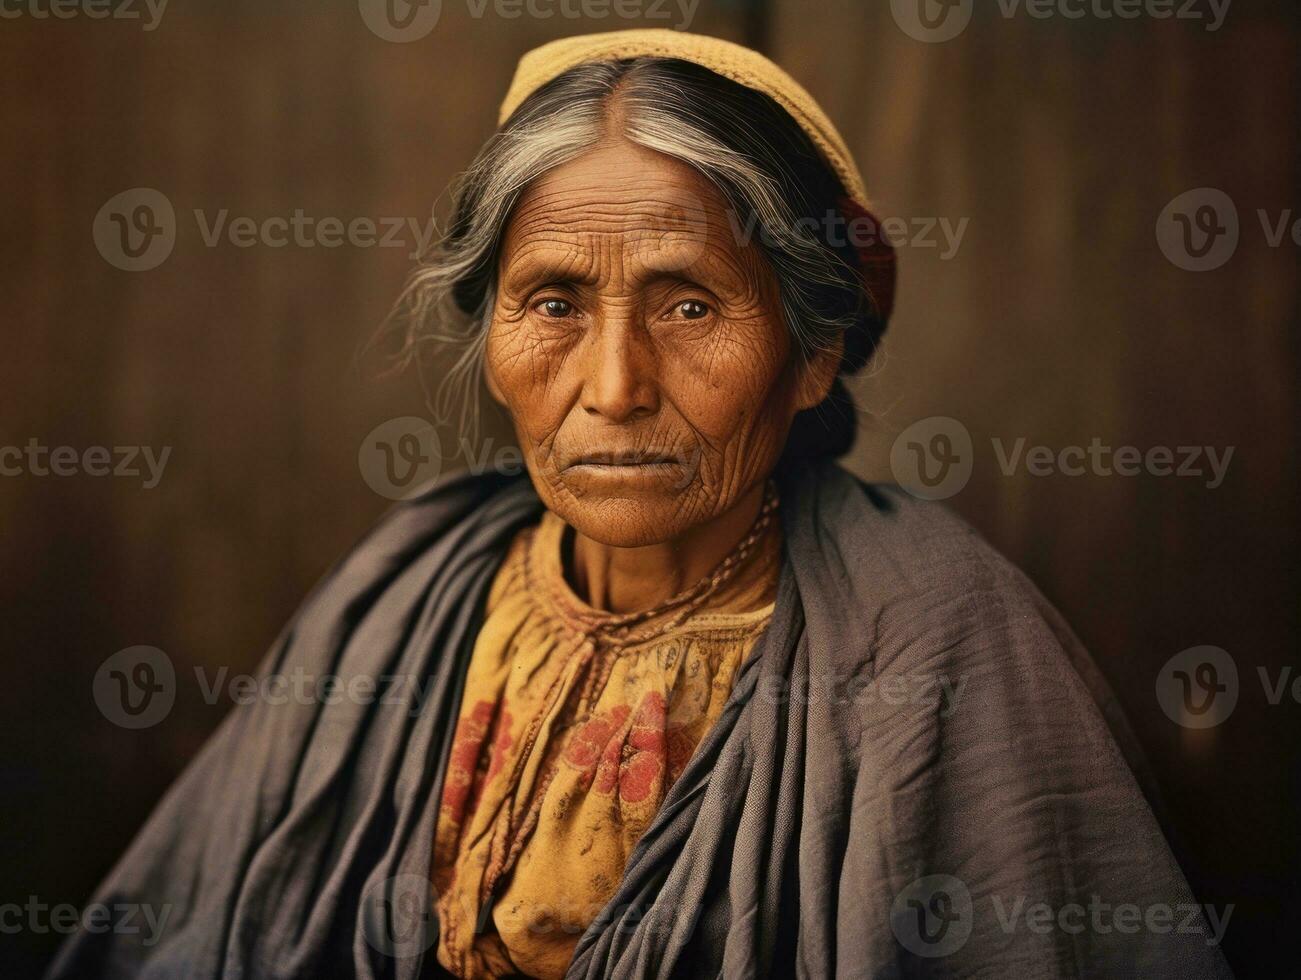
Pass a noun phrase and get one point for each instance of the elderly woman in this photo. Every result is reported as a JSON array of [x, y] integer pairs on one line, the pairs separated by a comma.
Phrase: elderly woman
[[690, 699]]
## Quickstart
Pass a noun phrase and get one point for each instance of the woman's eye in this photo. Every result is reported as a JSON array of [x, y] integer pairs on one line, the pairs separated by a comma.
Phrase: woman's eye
[[692, 310], [556, 307]]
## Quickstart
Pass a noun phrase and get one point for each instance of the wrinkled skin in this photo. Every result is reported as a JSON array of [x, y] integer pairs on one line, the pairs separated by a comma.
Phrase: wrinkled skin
[[641, 353]]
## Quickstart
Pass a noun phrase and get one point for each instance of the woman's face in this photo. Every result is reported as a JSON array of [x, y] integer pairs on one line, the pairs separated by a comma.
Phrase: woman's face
[[639, 347]]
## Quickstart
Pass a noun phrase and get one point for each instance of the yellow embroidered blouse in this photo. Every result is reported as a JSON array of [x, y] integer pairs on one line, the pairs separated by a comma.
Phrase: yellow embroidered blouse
[[565, 747]]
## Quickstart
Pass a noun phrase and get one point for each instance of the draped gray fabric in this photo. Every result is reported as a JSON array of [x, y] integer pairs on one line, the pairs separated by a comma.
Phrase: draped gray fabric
[[917, 754]]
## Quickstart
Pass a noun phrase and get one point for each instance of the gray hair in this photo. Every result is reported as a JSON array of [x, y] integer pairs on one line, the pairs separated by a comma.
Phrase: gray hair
[[774, 180]]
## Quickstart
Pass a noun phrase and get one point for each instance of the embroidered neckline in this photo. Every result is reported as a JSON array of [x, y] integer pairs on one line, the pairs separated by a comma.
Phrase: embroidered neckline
[[545, 579]]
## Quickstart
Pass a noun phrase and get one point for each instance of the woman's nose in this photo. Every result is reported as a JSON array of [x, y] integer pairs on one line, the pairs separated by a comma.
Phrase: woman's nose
[[620, 382]]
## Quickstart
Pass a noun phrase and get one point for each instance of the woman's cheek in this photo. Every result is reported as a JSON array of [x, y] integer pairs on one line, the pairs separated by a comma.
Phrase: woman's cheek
[[528, 396], [730, 391], [512, 364]]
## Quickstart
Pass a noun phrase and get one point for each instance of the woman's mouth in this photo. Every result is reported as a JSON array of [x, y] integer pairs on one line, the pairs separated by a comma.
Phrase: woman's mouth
[[625, 458], [627, 468]]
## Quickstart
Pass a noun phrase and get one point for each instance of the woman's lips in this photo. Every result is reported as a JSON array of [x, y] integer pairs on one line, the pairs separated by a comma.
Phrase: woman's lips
[[642, 469], [624, 458]]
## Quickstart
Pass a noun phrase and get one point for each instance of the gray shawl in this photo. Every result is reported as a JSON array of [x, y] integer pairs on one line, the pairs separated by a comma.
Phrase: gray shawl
[[918, 773]]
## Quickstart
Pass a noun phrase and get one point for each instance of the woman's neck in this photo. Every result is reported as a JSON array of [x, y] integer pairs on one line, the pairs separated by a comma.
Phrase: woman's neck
[[623, 580]]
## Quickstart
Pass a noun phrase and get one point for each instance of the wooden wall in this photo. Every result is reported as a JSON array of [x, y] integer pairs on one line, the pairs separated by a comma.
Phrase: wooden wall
[[1057, 320]]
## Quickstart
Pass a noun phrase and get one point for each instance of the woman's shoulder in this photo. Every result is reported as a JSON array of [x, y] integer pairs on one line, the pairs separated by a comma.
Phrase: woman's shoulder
[[904, 592], [924, 588], [905, 546]]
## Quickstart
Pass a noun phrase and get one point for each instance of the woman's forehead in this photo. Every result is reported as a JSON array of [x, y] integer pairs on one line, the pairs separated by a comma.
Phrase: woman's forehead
[[621, 189]]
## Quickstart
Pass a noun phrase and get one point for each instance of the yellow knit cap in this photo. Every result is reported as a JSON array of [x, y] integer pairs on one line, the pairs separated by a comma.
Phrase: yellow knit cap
[[741, 65]]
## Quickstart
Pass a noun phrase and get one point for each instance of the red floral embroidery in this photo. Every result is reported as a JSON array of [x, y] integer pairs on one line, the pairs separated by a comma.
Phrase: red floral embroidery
[[634, 764], [586, 746], [607, 773], [471, 730], [502, 743], [502, 740], [643, 769]]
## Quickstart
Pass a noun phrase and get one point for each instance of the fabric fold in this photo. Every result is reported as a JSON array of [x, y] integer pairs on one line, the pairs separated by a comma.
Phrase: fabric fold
[[915, 753]]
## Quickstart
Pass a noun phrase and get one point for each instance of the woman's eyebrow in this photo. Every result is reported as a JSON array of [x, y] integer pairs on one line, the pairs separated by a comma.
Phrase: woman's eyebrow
[[531, 271], [701, 270], [676, 277]]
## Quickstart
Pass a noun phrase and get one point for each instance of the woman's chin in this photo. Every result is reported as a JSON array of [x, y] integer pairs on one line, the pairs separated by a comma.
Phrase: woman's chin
[[631, 515]]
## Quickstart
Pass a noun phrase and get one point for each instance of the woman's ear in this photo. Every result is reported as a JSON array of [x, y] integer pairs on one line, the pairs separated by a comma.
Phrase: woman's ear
[[817, 374]]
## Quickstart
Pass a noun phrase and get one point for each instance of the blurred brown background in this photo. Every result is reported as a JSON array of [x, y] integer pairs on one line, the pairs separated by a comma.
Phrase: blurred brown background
[[1057, 319]]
